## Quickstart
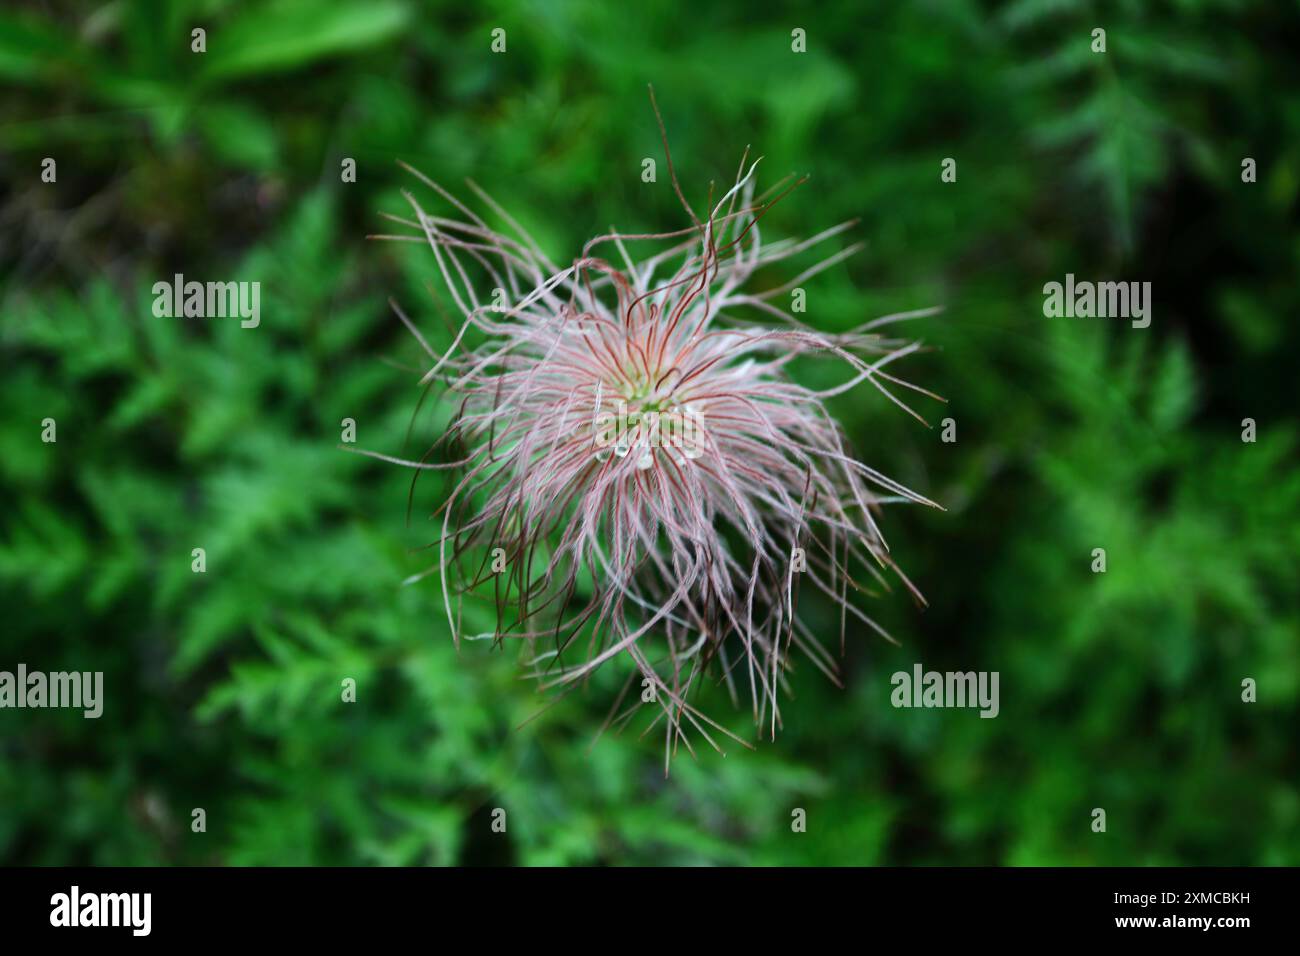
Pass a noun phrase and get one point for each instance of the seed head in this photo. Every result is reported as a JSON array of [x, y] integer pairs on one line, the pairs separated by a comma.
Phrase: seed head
[[637, 474]]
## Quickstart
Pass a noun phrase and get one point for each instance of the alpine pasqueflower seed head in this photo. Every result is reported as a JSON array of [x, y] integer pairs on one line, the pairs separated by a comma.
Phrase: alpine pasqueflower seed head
[[637, 476]]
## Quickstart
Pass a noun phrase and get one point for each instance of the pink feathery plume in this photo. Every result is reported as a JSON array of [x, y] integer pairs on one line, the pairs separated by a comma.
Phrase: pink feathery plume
[[638, 476]]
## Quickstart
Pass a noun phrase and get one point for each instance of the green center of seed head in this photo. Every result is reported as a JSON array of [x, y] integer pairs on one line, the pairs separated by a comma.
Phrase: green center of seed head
[[646, 408], [639, 399]]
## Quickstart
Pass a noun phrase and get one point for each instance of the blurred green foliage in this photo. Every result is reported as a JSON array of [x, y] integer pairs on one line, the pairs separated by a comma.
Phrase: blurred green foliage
[[1118, 690]]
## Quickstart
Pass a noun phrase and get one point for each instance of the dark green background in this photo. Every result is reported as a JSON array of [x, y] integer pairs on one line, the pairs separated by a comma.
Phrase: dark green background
[[1120, 691]]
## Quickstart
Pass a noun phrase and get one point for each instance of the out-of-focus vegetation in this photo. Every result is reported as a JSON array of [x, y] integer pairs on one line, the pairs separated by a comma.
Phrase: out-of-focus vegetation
[[1119, 690]]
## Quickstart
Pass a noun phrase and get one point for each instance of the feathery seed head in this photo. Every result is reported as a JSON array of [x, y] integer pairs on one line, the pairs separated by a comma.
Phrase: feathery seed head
[[638, 475]]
